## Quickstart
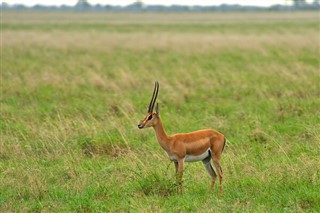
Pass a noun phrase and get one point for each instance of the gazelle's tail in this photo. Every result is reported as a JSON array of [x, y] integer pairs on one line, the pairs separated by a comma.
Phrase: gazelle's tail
[[226, 143]]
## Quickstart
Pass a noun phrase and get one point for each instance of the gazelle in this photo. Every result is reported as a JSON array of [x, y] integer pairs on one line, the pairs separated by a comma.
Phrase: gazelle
[[201, 145]]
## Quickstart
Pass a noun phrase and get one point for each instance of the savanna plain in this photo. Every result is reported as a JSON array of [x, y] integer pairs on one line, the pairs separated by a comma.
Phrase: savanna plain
[[75, 84]]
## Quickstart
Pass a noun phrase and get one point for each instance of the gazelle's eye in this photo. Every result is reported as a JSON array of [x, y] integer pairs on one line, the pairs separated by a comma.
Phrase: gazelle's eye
[[150, 117]]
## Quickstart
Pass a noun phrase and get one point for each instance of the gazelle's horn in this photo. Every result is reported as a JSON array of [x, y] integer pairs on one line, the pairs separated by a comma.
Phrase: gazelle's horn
[[154, 96]]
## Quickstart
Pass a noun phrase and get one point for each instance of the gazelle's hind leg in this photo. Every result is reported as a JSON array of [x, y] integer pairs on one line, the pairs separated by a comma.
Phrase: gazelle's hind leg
[[216, 157], [210, 170], [211, 173], [219, 170]]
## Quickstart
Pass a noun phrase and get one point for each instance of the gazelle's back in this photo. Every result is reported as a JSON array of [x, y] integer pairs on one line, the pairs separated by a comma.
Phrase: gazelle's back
[[192, 137]]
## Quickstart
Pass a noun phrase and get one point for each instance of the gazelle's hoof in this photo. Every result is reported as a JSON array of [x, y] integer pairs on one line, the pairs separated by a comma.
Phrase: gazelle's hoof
[[220, 191]]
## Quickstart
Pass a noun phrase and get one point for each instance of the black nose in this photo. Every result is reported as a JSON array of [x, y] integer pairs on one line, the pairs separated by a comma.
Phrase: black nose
[[140, 126]]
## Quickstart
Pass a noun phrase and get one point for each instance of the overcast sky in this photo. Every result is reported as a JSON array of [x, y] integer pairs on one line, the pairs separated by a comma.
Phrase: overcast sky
[[152, 2]]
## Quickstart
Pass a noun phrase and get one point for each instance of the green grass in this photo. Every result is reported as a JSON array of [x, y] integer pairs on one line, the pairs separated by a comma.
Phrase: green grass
[[75, 85]]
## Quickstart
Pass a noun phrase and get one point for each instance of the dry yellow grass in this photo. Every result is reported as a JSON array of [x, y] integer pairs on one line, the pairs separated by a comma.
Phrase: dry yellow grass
[[181, 42], [22, 17]]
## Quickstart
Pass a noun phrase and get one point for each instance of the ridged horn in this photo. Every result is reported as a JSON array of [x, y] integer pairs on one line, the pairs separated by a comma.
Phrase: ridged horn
[[154, 96]]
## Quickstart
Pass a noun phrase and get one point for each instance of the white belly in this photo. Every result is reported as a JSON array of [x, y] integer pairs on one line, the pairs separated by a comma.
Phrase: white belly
[[193, 158]]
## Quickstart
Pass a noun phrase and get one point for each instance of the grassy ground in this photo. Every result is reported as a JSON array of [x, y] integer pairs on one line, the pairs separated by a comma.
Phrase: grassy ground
[[75, 85]]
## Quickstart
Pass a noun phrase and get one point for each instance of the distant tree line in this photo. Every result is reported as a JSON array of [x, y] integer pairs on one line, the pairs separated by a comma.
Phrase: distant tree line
[[138, 6]]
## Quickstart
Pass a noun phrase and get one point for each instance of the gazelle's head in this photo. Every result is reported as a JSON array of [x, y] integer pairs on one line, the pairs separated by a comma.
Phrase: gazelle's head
[[152, 118]]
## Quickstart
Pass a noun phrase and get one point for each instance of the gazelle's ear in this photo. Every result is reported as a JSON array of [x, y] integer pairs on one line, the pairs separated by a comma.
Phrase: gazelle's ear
[[157, 109]]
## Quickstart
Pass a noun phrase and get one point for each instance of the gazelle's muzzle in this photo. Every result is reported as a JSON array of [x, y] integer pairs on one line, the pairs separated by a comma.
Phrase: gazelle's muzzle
[[140, 126]]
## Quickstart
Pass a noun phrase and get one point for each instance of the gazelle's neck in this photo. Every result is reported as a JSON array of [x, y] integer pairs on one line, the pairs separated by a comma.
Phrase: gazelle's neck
[[162, 137]]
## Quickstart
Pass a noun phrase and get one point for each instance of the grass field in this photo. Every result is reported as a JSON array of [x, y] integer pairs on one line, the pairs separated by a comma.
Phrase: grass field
[[75, 85]]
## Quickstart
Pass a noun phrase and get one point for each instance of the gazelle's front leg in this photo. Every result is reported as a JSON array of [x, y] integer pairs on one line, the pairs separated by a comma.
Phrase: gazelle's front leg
[[179, 173], [176, 166]]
